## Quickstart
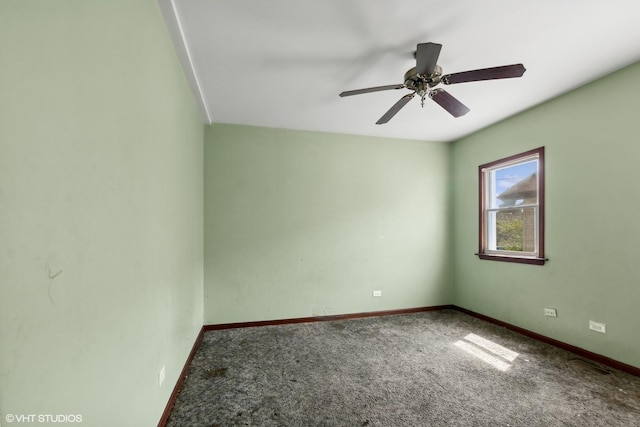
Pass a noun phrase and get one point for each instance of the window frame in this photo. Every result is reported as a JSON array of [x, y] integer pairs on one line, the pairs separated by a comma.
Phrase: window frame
[[509, 256]]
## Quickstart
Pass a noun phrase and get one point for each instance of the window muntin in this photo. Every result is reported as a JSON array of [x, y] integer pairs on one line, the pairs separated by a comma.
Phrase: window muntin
[[512, 208]]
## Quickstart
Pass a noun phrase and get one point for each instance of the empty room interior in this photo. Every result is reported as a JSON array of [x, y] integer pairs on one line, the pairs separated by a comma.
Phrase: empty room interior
[[173, 166]]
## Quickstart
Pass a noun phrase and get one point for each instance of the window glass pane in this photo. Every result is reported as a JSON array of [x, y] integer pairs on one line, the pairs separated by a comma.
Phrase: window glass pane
[[515, 230], [514, 185]]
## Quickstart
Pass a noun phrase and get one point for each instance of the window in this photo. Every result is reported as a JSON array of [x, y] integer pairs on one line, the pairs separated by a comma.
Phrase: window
[[512, 208]]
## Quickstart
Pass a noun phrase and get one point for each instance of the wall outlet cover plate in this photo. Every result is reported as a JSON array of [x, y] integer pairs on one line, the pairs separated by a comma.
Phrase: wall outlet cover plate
[[598, 327]]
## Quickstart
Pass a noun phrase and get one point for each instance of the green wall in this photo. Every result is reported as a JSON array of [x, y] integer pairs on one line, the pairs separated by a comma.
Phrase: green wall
[[101, 187], [592, 203], [304, 224]]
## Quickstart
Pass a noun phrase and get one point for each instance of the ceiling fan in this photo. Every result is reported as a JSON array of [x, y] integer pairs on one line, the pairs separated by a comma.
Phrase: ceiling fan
[[423, 78]]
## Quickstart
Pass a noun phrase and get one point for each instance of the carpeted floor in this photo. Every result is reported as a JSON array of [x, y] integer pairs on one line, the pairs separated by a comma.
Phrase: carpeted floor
[[440, 368]]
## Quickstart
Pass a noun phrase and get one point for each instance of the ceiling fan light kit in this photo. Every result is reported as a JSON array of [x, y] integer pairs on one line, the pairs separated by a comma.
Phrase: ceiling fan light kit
[[427, 74]]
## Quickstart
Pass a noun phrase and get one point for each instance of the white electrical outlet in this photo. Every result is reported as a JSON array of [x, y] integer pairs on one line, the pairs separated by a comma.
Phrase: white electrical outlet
[[551, 312], [598, 327], [377, 293], [161, 376]]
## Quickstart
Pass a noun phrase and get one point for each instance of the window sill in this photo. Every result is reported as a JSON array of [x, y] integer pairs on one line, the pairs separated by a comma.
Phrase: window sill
[[520, 260]]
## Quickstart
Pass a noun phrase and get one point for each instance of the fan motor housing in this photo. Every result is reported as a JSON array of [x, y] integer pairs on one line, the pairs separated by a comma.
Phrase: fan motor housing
[[422, 83]]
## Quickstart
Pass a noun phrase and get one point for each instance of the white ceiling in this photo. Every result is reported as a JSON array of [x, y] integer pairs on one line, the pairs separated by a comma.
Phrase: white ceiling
[[282, 63]]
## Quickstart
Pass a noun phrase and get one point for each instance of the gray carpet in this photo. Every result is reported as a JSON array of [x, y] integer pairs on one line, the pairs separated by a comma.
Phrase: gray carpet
[[440, 368]]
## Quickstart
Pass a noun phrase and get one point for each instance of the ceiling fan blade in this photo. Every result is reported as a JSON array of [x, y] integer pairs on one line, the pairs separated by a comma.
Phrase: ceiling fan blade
[[427, 57], [503, 72], [396, 107], [448, 102], [371, 89]]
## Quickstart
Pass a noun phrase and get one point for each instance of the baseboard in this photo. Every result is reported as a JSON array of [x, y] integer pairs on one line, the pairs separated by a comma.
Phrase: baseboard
[[178, 386], [325, 318], [612, 363]]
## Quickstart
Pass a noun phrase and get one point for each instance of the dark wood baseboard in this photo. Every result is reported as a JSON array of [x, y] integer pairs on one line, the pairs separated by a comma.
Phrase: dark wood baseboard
[[568, 347], [325, 318], [178, 386]]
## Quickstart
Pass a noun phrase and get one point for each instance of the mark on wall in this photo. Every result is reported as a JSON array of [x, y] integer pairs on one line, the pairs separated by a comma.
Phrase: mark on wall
[[52, 276]]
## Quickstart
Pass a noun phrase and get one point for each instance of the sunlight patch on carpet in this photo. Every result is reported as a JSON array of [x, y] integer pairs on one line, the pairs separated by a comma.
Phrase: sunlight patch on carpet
[[490, 352]]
